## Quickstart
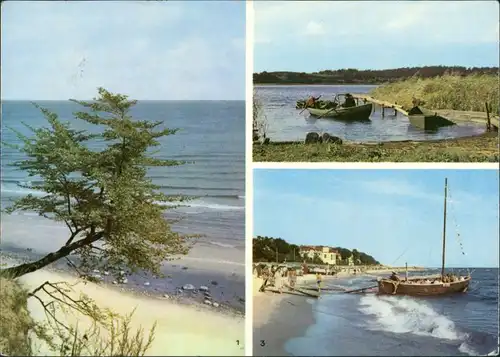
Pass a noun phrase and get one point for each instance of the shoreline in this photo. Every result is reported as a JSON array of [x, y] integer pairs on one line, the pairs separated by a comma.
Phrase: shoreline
[[271, 311], [477, 148], [315, 85], [161, 288], [190, 328]]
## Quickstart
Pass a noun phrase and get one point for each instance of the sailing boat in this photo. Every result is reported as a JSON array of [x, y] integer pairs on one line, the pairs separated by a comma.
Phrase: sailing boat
[[427, 286]]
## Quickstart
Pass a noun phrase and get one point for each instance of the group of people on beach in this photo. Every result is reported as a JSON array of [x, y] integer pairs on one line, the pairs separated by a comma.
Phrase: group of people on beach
[[275, 276]]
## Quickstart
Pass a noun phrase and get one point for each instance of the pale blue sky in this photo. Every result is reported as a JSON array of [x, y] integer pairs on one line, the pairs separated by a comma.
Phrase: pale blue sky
[[148, 50], [384, 213], [310, 36]]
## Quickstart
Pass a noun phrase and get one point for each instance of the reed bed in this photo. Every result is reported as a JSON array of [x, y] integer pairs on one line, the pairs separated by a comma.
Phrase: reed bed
[[467, 93]]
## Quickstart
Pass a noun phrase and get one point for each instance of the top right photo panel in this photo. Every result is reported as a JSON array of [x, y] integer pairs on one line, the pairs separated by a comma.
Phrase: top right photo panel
[[376, 81]]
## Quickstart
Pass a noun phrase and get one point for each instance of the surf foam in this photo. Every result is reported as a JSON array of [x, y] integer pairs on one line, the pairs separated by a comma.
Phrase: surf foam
[[406, 315]]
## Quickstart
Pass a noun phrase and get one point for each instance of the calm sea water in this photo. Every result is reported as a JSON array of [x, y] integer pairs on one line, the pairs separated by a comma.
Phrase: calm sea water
[[211, 136], [367, 324], [285, 123]]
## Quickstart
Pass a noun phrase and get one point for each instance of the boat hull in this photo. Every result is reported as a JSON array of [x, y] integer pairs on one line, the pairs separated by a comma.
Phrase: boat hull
[[426, 119], [386, 287], [361, 112]]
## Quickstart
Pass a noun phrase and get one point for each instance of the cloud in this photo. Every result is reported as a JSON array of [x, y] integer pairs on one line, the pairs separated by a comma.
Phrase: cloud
[[383, 34], [472, 22], [314, 28], [148, 50]]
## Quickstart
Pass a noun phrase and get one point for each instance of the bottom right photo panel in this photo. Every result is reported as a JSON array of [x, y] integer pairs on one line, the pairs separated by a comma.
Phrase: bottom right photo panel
[[379, 262]]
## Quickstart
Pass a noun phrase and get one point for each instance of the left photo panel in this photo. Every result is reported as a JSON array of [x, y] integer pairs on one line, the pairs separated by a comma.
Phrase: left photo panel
[[122, 178]]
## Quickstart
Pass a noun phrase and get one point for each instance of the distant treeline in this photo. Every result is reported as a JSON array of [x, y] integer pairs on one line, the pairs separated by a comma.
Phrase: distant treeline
[[354, 76], [268, 249]]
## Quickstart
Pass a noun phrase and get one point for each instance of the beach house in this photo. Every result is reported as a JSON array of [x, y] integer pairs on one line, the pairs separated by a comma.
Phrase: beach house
[[328, 255]]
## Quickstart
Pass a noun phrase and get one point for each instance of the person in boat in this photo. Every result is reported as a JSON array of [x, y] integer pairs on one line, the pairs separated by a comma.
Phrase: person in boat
[[311, 102], [394, 276], [349, 101]]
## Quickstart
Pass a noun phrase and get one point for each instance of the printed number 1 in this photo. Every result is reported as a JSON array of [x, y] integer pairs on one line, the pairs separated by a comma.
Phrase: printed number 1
[[238, 342]]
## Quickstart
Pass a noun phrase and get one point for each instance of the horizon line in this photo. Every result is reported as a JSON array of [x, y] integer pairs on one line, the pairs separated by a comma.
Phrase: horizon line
[[142, 100], [383, 69]]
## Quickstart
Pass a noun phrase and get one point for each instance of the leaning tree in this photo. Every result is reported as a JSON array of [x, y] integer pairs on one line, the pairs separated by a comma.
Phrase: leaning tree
[[113, 211]]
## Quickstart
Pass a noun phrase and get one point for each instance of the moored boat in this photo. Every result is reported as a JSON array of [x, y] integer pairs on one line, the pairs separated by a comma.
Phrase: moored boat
[[426, 119], [430, 285], [359, 112], [414, 287]]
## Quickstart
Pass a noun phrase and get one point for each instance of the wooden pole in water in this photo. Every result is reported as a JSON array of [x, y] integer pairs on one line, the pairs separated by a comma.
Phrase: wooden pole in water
[[406, 271], [488, 122], [383, 111], [444, 227]]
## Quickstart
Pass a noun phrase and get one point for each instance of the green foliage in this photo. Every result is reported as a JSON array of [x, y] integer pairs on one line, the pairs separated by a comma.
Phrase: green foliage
[[450, 91], [355, 76], [264, 250], [15, 321], [102, 196]]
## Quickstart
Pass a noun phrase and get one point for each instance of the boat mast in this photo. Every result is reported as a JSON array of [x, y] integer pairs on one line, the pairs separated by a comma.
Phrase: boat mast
[[444, 226]]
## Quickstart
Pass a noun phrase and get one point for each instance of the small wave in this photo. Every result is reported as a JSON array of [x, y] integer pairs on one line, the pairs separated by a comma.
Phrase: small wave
[[21, 191], [406, 315], [465, 348], [207, 205], [221, 244]]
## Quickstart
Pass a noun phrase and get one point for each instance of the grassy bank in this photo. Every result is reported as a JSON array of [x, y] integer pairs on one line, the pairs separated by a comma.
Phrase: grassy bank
[[483, 148], [455, 92]]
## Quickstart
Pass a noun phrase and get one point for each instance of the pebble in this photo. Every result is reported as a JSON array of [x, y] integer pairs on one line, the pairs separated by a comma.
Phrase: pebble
[[115, 282], [166, 296], [208, 302], [96, 271], [215, 304], [188, 287], [203, 288], [106, 273], [147, 283]]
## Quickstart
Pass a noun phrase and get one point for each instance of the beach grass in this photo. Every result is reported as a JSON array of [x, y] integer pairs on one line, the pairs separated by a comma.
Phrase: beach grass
[[467, 93], [15, 320], [482, 148]]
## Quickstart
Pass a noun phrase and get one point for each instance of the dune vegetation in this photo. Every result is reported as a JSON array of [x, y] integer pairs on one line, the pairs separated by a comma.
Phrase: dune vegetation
[[467, 93]]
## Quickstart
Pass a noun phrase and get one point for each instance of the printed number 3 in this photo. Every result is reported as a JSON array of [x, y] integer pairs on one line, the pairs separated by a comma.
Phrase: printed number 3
[[262, 343]]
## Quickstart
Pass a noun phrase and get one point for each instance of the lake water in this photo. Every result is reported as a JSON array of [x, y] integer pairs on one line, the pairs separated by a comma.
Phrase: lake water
[[285, 123], [371, 325], [211, 136]]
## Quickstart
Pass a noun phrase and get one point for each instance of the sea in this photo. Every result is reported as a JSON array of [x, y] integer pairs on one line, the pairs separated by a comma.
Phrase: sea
[[211, 138], [285, 123], [371, 325]]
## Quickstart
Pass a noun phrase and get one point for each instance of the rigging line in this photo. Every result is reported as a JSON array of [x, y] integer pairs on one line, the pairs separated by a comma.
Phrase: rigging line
[[408, 247]]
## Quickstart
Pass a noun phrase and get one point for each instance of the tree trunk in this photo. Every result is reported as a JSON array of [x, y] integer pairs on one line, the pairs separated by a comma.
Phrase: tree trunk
[[20, 270]]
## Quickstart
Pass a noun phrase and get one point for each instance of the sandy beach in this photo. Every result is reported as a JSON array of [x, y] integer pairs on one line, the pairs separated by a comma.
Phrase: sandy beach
[[271, 319], [272, 325], [181, 330]]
